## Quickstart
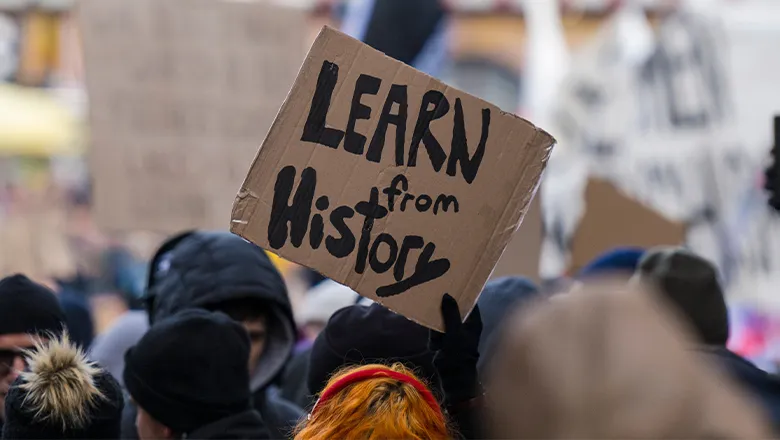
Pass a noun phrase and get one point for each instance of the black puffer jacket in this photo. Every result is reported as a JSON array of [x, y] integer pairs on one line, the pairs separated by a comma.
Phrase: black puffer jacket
[[204, 269]]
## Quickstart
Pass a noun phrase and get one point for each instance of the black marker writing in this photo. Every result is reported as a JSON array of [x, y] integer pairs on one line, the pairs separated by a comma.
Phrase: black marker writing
[[422, 202], [292, 220], [433, 106]]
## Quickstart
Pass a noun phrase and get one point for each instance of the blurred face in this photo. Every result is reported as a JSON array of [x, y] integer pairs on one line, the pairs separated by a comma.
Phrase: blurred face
[[149, 428], [11, 362], [258, 333]]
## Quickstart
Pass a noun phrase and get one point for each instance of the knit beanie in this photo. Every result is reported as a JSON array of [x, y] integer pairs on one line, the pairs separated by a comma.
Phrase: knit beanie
[[28, 307], [360, 335], [690, 283], [62, 396], [190, 370]]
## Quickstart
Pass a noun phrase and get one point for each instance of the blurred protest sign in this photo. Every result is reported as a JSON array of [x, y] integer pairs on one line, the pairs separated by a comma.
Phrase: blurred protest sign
[[682, 123], [34, 239], [181, 92], [401, 219], [613, 219]]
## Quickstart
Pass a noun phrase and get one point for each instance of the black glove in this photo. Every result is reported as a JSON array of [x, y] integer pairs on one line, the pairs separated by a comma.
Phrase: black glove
[[457, 353]]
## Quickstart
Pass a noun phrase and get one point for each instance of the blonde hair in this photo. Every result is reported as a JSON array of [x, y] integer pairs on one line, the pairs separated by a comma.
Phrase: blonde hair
[[60, 383], [373, 408]]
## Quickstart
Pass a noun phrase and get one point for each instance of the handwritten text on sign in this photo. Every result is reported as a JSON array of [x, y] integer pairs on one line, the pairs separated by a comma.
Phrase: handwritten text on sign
[[434, 106], [375, 175]]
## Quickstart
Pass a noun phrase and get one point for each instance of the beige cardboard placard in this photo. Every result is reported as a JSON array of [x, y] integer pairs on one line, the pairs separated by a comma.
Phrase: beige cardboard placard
[[386, 180], [521, 256], [181, 92], [613, 219]]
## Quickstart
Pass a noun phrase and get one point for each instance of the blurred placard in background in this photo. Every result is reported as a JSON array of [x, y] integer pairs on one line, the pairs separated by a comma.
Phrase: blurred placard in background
[[613, 219], [181, 94]]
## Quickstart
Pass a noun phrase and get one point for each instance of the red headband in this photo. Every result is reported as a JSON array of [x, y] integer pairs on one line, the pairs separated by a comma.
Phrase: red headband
[[361, 375]]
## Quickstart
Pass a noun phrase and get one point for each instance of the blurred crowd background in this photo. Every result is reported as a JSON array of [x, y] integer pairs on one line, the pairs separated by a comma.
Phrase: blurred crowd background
[[684, 166]]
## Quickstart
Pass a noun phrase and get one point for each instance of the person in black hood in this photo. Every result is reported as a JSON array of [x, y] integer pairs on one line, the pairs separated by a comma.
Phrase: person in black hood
[[189, 379], [219, 271], [690, 284]]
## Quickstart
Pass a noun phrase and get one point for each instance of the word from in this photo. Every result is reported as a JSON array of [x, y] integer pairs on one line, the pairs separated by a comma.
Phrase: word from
[[422, 202], [293, 221], [434, 106]]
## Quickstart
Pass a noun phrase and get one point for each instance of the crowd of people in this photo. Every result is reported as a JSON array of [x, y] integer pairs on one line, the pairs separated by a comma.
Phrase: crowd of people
[[633, 347]]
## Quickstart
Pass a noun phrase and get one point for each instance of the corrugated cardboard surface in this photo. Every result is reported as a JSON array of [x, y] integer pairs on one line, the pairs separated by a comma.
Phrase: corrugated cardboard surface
[[613, 219], [465, 244], [521, 256], [181, 94]]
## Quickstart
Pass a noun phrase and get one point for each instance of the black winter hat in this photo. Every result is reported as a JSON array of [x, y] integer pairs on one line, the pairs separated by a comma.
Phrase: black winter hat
[[28, 307], [63, 395], [690, 283], [190, 370], [359, 335]]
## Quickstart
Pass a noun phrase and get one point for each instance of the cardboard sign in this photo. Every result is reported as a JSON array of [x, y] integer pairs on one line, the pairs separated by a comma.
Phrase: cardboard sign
[[521, 256], [180, 93], [613, 219], [388, 181]]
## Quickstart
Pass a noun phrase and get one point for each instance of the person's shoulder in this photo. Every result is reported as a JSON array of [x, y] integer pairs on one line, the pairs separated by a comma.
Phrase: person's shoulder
[[248, 424], [745, 371], [271, 404]]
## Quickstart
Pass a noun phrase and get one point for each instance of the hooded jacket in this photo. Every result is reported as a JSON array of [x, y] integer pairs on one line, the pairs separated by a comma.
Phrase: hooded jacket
[[204, 269]]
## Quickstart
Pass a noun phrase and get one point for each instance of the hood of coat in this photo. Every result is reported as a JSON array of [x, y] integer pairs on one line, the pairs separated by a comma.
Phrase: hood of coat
[[204, 269]]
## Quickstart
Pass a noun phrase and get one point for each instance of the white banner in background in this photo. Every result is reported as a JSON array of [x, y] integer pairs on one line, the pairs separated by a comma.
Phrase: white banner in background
[[685, 131]]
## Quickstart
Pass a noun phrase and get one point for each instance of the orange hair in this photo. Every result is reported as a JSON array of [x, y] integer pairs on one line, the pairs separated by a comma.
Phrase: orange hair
[[375, 408]]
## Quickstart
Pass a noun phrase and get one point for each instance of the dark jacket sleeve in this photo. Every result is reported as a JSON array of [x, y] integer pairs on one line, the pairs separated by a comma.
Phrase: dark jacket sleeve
[[466, 417]]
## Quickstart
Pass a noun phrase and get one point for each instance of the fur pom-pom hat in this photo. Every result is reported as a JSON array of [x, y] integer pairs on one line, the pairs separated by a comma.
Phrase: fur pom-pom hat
[[62, 395]]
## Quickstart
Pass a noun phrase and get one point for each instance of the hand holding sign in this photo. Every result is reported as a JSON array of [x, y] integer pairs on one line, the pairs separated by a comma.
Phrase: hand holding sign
[[457, 352], [392, 224]]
